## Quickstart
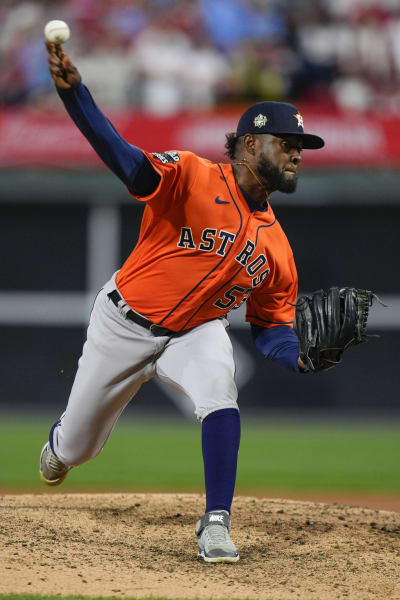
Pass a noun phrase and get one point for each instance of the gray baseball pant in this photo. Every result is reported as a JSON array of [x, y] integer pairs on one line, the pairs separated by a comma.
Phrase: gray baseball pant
[[119, 355]]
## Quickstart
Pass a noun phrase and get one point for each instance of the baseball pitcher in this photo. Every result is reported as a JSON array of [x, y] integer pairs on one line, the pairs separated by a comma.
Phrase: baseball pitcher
[[209, 241]]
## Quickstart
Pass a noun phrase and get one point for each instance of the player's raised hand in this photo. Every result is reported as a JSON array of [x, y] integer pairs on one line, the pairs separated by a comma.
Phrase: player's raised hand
[[63, 72]]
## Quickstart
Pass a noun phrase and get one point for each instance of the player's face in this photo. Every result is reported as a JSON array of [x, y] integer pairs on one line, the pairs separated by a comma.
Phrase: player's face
[[278, 160]]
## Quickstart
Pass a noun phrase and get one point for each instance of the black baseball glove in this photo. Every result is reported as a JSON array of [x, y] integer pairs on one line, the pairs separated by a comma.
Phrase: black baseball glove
[[327, 323]]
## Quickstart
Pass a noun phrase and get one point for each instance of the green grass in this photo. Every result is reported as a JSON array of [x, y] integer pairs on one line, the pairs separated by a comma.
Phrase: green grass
[[145, 456]]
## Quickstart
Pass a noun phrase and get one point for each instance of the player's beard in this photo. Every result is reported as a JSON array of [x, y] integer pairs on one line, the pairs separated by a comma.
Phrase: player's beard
[[274, 178]]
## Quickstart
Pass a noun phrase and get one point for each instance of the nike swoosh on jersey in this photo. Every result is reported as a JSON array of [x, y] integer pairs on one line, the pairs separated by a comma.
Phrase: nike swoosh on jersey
[[219, 201]]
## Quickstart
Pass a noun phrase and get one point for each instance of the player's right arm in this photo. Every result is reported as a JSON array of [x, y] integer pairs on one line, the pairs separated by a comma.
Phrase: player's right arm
[[128, 162]]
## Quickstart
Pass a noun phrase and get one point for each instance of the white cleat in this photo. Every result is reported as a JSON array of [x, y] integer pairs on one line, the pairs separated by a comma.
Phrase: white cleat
[[215, 544], [52, 471]]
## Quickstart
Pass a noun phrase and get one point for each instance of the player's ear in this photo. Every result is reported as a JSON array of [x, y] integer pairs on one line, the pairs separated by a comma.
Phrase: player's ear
[[249, 142]]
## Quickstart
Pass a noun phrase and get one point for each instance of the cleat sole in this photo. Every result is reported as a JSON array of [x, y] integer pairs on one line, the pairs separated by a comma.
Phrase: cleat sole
[[218, 559], [52, 482]]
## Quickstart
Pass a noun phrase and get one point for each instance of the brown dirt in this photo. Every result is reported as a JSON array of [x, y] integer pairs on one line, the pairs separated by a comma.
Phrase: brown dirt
[[144, 545]]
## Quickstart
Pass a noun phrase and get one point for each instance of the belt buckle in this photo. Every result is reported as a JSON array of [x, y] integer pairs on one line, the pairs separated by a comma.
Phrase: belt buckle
[[153, 326]]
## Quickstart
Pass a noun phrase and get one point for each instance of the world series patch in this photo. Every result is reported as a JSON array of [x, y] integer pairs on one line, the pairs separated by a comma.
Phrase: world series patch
[[167, 157]]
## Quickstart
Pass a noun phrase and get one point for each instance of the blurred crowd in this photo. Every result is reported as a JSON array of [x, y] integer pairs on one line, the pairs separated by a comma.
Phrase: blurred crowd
[[165, 56]]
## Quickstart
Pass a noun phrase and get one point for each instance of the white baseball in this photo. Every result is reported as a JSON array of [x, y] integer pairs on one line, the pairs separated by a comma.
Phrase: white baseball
[[57, 32]]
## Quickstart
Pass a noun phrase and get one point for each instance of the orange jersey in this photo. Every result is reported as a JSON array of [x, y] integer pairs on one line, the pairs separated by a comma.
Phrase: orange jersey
[[202, 251]]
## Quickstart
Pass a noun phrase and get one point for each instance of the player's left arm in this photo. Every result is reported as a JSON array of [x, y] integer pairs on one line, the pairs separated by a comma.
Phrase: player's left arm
[[271, 313], [278, 343]]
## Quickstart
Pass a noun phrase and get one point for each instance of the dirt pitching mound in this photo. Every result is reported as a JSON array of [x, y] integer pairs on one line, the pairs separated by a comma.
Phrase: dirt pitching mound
[[144, 545]]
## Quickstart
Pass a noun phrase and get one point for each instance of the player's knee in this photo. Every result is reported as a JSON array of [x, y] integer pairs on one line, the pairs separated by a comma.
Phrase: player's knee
[[203, 410], [210, 398]]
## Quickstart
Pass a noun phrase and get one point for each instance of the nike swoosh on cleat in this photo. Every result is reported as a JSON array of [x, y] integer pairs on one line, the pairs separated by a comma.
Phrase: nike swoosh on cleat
[[219, 201]]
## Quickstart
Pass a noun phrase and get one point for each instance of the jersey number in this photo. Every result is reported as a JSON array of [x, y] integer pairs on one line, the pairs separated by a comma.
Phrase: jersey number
[[232, 296]]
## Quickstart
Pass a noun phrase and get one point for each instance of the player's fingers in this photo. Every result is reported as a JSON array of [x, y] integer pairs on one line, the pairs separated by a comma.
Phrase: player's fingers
[[71, 71], [54, 49], [56, 68], [50, 47], [54, 60], [58, 49], [67, 64], [66, 61], [56, 72]]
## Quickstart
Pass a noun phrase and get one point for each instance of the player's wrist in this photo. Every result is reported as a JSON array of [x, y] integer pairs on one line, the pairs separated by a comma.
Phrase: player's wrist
[[74, 87], [302, 366]]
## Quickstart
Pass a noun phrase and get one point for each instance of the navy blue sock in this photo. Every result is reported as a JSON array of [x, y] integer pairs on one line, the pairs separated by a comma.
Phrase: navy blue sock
[[220, 438]]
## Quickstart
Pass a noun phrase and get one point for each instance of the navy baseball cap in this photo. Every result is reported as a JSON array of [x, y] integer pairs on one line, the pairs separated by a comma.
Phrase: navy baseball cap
[[277, 118]]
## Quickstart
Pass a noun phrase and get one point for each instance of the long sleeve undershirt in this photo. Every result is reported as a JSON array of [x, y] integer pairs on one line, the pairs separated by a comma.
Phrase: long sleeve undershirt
[[125, 160], [278, 343], [133, 168]]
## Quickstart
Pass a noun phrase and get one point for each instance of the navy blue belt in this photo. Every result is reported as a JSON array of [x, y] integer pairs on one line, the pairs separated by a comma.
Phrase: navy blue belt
[[156, 330]]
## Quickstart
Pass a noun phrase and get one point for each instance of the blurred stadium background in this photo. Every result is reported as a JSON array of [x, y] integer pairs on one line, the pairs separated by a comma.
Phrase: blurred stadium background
[[176, 75]]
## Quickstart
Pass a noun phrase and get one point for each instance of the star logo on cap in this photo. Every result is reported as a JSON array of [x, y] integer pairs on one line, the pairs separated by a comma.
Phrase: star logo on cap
[[260, 120], [300, 122]]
